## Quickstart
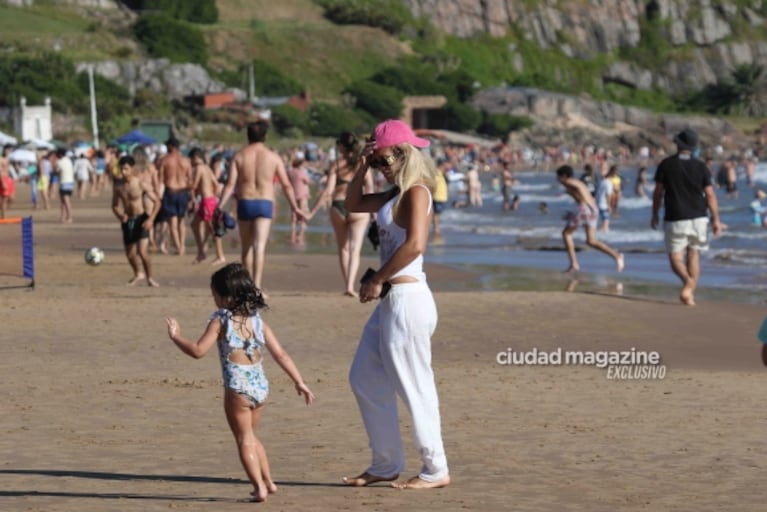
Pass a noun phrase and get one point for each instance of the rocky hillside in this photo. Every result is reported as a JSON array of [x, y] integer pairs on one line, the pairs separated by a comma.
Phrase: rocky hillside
[[673, 46], [564, 119], [702, 39]]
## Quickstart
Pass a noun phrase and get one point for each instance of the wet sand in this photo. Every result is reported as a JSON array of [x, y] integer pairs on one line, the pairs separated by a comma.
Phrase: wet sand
[[101, 412]]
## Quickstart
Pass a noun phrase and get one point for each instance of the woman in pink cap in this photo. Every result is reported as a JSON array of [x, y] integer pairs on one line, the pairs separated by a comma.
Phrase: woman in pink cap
[[394, 353]]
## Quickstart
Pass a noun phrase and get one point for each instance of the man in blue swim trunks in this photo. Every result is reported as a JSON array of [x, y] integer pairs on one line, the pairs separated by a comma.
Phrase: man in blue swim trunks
[[176, 182], [251, 179]]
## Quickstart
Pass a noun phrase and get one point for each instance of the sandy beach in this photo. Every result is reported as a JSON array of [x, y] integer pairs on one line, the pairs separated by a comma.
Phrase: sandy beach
[[101, 412]]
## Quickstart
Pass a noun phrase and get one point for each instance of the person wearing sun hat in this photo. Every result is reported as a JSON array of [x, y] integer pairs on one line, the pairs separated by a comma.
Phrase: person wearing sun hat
[[683, 185], [394, 353]]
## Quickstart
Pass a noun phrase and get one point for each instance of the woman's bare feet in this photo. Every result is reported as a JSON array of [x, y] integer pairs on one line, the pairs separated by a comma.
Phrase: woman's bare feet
[[151, 282], [135, 279], [620, 263], [418, 483], [271, 487], [366, 479], [351, 294], [218, 261]]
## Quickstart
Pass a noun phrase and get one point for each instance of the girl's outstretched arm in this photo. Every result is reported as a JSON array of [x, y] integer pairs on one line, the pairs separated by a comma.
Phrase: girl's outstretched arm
[[191, 348], [286, 363]]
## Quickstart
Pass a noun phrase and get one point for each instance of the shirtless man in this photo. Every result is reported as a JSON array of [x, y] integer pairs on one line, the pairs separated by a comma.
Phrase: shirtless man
[[251, 178], [128, 207], [148, 172], [586, 216], [204, 186], [176, 180]]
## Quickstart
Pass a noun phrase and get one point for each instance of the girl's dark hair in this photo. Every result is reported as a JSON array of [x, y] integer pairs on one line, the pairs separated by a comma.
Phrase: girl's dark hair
[[234, 283]]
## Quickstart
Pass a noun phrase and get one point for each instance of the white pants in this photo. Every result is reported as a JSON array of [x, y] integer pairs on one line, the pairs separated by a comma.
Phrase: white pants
[[394, 357]]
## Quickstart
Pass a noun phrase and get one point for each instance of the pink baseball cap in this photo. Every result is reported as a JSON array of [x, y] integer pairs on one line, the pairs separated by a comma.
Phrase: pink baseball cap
[[393, 132]]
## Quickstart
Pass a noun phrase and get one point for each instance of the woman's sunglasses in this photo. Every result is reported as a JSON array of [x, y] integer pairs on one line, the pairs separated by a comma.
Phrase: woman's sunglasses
[[384, 162]]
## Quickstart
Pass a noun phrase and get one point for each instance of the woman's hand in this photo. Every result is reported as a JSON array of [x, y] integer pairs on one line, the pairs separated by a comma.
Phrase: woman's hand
[[302, 389], [367, 152], [370, 290]]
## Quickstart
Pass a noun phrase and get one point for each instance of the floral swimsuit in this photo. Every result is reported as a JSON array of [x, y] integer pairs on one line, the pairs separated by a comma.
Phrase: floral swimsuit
[[246, 379]]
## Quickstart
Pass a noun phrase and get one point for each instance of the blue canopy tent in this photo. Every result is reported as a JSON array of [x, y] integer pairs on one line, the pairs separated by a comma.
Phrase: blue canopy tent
[[134, 137]]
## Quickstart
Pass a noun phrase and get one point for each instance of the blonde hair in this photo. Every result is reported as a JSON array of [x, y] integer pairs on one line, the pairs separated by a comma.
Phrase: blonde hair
[[141, 158], [416, 168]]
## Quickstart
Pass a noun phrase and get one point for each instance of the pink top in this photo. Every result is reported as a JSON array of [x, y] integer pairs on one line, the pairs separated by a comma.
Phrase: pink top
[[300, 181]]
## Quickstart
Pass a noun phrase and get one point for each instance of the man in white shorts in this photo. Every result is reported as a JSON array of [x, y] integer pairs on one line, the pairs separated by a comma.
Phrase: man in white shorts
[[683, 186]]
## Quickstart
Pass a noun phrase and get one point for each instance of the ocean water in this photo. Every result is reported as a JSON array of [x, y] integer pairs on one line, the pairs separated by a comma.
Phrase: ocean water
[[735, 264], [524, 249]]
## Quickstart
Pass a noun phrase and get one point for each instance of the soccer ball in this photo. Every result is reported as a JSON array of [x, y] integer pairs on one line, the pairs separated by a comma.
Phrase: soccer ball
[[94, 256]]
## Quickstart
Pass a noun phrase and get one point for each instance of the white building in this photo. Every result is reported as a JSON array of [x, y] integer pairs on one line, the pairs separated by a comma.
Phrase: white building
[[33, 122]]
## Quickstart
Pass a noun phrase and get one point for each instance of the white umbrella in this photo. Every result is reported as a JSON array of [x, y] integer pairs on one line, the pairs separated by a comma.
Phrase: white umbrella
[[6, 139], [38, 144], [23, 155]]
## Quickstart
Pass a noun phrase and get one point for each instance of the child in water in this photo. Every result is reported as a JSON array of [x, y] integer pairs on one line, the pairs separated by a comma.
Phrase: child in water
[[237, 329]]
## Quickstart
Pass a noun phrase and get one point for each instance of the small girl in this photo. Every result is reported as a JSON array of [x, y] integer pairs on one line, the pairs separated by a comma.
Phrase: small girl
[[240, 333]]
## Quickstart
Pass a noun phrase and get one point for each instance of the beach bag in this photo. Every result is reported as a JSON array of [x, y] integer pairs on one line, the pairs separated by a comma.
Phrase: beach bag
[[222, 221], [373, 235]]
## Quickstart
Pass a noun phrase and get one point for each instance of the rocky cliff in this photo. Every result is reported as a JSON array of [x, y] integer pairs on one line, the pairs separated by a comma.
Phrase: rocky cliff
[[565, 119], [177, 81], [708, 38]]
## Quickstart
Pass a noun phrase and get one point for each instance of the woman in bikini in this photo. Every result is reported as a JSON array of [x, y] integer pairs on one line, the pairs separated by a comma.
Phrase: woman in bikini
[[349, 227]]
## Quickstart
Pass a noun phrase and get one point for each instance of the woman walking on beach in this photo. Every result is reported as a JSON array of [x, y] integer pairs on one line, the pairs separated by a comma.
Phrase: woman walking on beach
[[240, 333], [394, 353], [349, 227]]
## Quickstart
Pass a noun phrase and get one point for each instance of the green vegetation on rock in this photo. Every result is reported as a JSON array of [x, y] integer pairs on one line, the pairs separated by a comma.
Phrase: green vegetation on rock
[[163, 36]]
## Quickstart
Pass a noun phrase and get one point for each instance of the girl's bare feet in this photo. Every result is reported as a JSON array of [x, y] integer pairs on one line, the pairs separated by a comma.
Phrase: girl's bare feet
[[366, 479], [620, 263], [151, 282], [218, 261], [271, 487], [351, 294], [418, 483], [572, 269], [259, 495]]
